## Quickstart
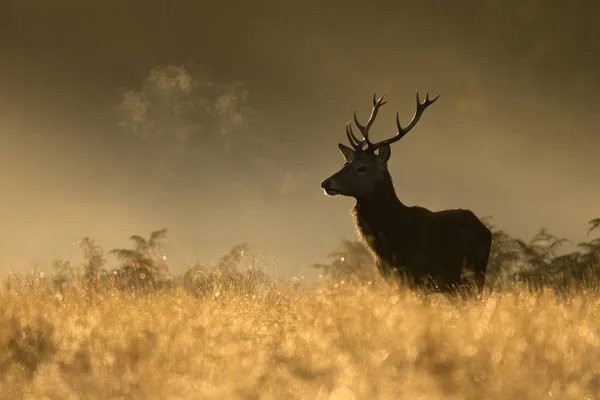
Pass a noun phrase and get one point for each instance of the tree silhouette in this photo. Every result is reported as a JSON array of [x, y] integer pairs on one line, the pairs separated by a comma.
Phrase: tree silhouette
[[94, 260], [351, 260], [505, 254], [541, 249], [226, 274], [540, 256], [594, 225], [144, 266], [64, 274], [589, 259]]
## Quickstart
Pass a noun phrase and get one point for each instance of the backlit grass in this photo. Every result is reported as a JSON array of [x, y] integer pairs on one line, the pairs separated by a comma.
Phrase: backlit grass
[[342, 341]]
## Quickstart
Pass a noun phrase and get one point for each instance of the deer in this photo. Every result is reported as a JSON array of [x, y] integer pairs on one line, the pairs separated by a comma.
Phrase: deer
[[443, 250]]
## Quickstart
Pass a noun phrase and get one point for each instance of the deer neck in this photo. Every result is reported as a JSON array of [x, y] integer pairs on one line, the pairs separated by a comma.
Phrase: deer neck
[[383, 201], [378, 216]]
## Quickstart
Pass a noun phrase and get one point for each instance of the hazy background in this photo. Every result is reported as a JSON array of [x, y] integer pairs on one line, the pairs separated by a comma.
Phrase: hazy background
[[218, 120]]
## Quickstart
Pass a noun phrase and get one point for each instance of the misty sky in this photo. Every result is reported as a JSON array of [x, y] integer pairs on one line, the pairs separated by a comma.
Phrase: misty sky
[[218, 120]]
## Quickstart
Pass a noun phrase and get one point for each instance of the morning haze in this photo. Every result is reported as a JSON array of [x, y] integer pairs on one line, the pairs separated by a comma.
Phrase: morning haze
[[219, 120]]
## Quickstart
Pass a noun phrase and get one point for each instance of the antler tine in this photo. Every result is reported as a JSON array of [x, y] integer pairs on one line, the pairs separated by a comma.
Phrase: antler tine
[[376, 105], [357, 144], [403, 131], [361, 127], [420, 108], [364, 129]]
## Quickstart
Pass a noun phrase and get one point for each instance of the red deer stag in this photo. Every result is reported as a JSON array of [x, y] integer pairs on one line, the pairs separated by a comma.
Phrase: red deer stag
[[448, 248]]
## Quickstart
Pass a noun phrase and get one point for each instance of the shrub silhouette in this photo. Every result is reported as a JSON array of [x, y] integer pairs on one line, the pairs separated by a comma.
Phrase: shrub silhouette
[[226, 274], [351, 260], [536, 262], [143, 267], [94, 261], [65, 274]]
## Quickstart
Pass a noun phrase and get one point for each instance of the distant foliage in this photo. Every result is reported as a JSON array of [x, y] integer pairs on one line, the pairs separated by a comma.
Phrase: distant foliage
[[537, 262], [65, 274], [144, 266], [144, 269], [90, 273], [94, 260], [227, 274], [504, 255], [351, 260]]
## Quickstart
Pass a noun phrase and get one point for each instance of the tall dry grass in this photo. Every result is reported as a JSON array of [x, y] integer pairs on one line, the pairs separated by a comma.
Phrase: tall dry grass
[[338, 341]]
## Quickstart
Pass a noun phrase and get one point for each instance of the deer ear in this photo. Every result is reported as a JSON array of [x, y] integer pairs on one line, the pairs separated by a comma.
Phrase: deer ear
[[347, 152], [384, 153]]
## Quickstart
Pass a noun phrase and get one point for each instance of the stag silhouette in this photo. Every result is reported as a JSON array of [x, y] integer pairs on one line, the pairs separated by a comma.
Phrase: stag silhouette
[[447, 249]]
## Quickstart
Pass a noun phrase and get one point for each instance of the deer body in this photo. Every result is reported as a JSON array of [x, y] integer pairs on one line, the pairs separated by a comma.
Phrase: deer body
[[447, 248], [423, 244]]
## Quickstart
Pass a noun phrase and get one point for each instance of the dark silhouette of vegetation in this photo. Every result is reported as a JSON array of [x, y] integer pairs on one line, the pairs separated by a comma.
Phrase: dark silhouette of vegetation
[[94, 260], [65, 274], [351, 260], [537, 262], [226, 274], [594, 225], [89, 274], [144, 266], [504, 253]]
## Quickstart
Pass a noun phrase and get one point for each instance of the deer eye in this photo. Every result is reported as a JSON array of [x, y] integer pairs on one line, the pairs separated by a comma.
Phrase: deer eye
[[361, 169]]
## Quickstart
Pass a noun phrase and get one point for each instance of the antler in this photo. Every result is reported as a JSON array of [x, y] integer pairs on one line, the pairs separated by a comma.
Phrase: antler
[[358, 144], [364, 130]]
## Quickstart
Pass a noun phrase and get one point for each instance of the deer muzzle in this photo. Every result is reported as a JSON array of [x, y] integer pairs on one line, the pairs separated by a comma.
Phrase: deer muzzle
[[329, 187]]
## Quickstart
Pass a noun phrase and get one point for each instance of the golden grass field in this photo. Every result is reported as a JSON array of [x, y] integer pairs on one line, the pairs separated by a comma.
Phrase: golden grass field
[[343, 341]]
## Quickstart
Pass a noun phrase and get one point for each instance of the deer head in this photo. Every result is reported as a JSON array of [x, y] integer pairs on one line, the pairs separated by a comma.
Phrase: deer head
[[366, 162]]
